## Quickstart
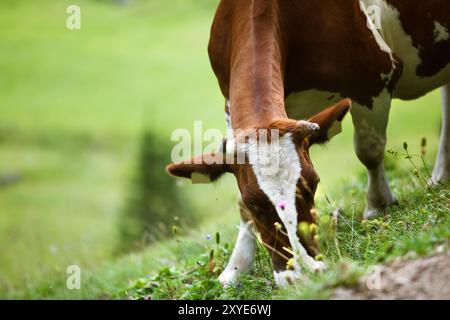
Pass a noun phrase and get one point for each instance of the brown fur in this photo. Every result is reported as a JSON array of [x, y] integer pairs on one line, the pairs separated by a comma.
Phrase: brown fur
[[263, 50]]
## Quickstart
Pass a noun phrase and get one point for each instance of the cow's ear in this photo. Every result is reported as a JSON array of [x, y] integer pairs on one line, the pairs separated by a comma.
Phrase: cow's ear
[[330, 122], [205, 168]]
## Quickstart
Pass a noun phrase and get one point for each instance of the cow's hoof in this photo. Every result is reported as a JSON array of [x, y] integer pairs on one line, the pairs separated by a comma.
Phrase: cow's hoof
[[438, 178], [228, 278], [372, 214]]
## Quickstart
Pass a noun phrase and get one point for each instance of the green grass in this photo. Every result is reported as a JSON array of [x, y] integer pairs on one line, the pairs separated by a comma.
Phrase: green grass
[[416, 227], [181, 268], [73, 107]]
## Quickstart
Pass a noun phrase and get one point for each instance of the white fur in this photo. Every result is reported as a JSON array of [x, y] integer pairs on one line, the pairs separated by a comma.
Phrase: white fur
[[376, 32], [440, 33], [280, 186], [410, 85], [241, 259]]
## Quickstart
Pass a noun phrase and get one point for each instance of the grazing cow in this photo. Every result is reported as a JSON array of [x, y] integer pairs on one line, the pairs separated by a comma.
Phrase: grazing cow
[[278, 60]]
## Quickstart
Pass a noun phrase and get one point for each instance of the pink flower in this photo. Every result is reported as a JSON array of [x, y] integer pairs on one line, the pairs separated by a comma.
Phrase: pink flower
[[282, 205]]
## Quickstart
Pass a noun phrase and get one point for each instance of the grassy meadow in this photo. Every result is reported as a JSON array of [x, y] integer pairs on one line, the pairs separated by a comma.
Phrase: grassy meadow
[[74, 105]]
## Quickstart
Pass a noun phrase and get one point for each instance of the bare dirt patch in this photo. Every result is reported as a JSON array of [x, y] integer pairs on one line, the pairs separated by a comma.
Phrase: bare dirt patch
[[424, 278]]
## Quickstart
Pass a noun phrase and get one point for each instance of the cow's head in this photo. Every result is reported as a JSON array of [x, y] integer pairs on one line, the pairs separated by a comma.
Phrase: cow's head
[[275, 175]]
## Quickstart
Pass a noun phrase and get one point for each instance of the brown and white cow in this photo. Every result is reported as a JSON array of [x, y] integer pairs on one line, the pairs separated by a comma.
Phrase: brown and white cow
[[278, 60]]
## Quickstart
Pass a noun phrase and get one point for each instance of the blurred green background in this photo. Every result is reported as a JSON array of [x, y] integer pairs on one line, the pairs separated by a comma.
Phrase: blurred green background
[[85, 123]]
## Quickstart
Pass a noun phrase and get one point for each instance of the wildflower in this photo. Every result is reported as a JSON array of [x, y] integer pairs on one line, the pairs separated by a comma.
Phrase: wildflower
[[208, 237], [405, 146], [200, 264], [217, 238], [423, 144], [392, 152], [212, 263], [282, 205], [303, 228], [313, 213], [313, 228], [319, 257], [278, 226], [290, 264], [385, 225], [335, 217]]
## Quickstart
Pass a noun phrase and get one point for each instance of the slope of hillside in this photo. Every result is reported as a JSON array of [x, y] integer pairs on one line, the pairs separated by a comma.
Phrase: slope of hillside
[[187, 266]]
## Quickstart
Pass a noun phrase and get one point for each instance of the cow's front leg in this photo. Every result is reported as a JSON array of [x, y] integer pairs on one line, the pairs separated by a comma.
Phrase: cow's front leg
[[441, 172], [241, 260], [370, 142]]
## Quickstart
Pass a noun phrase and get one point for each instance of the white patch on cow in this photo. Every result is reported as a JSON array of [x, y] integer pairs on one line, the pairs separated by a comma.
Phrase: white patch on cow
[[242, 257], [305, 104], [376, 32], [410, 85], [280, 186], [440, 33]]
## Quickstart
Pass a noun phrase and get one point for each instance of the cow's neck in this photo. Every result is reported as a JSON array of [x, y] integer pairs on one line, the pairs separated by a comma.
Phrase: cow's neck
[[256, 90]]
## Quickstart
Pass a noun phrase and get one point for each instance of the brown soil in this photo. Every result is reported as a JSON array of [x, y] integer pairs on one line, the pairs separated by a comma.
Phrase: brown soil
[[424, 278]]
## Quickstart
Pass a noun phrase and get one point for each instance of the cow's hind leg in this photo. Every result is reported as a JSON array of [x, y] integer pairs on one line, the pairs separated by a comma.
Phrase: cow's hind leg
[[241, 260], [441, 172], [370, 142]]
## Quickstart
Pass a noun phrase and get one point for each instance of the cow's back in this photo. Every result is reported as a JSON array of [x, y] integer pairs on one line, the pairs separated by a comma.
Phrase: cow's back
[[329, 49], [418, 32], [326, 47]]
